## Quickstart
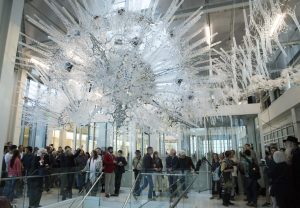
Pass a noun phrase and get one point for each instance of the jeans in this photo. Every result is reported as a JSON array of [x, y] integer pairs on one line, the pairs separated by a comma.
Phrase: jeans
[[183, 181], [147, 180], [118, 178], [9, 189], [216, 188], [172, 183], [251, 187], [138, 179], [80, 181]]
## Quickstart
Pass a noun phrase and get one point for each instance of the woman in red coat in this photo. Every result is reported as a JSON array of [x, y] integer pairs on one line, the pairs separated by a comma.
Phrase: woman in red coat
[[109, 163]]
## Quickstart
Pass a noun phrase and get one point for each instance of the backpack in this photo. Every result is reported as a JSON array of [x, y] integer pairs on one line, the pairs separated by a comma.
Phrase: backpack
[[254, 172]]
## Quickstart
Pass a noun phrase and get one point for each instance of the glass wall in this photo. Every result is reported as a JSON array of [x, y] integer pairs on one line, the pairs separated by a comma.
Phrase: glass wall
[[229, 133]]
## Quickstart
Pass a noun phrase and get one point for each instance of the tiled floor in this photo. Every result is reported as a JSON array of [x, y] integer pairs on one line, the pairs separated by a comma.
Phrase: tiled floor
[[195, 200]]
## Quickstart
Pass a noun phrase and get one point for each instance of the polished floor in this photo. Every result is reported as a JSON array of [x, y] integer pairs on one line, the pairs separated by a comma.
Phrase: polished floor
[[195, 200]]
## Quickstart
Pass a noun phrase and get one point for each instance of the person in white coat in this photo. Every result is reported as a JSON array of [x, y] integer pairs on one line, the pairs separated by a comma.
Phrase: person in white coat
[[93, 168]]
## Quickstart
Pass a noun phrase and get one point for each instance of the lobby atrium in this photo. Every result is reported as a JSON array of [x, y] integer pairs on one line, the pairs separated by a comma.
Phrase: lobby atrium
[[149, 103]]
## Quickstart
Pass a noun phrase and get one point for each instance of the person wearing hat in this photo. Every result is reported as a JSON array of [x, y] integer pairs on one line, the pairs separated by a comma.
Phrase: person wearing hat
[[293, 155], [137, 165]]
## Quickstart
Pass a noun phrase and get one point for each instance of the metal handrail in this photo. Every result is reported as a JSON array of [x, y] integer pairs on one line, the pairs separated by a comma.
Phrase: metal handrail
[[90, 190], [39, 176], [131, 189], [152, 173], [183, 194]]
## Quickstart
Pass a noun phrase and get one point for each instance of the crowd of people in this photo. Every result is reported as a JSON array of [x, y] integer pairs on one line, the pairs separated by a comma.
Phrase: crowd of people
[[47, 168], [280, 171], [65, 169], [151, 167]]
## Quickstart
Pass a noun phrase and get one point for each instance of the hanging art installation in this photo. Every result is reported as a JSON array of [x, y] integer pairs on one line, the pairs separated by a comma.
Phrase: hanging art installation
[[128, 63]]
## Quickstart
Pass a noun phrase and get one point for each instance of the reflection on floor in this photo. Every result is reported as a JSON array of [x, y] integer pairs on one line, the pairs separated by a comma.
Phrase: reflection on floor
[[195, 200]]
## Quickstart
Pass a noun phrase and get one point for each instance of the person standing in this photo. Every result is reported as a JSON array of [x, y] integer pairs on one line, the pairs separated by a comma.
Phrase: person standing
[[137, 165], [281, 181], [67, 163], [253, 154], [38, 170], [252, 174], [185, 165], [270, 164], [27, 159], [27, 162], [235, 186], [158, 167], [14, 170], [109, 162], [147, 169], [120, 169], [215, 169], [80, 163], [9, 155], [293, 159], [172, 167], [93, 168], [227, 169]]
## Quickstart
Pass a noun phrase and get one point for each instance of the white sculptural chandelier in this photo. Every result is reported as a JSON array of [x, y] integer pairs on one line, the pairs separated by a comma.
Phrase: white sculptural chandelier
[[132, 62]]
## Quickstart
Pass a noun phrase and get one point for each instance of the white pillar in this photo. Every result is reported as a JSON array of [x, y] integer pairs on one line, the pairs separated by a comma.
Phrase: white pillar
[[262, 140], [17, 107], [10, 21]]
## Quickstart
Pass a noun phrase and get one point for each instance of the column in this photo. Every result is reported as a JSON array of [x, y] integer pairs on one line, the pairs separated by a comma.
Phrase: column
[[262, 139], [17, 107], [10, 21]]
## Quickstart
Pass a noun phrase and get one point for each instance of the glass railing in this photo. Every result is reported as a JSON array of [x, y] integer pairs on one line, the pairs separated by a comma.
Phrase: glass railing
[[44, 189], [74, 189], [160, 189]]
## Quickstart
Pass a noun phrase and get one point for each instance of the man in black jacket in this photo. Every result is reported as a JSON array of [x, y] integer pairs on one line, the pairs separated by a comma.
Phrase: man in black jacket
[[27, 163], [147, 168], [172, 164], [293, 152], [185, 165], [37, 169], [120, 169], [67, 164]]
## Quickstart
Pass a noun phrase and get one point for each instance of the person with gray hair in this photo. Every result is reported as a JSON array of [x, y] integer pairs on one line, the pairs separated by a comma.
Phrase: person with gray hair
[[186, 166], [172, 168], [280, 181]]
